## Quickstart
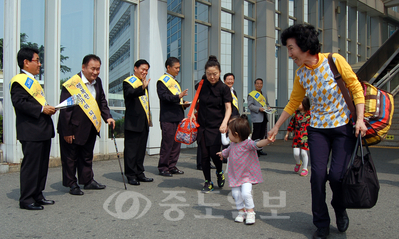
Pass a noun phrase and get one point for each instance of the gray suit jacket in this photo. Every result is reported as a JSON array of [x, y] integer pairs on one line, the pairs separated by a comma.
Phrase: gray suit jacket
[[253, 105]]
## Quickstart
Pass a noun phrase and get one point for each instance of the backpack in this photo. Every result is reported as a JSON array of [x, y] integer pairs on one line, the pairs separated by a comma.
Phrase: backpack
[[378, 107]]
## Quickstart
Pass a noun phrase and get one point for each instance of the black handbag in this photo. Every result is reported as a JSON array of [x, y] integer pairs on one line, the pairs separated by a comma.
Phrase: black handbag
[[360, 183]]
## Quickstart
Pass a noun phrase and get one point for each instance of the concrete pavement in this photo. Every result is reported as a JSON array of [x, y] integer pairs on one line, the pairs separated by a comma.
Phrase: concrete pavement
[[174, 207]]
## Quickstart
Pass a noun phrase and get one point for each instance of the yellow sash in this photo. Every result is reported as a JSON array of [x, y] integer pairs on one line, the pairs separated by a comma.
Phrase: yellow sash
[[87, 103], [235, 100], [172, 85], [136, 83], [258, 97], [32, 86]]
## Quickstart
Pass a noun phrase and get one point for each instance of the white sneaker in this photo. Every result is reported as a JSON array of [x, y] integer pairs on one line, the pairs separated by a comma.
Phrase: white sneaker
[[240, 217], [250, 219]]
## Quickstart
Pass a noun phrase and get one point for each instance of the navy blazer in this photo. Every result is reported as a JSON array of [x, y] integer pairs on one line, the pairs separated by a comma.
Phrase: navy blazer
[[32, 124], [74, 121]]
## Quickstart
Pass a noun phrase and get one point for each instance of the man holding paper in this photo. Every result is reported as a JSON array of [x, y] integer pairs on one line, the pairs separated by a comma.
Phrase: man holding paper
[[34, 129], [79, 126], [258, 105], [171, 113]]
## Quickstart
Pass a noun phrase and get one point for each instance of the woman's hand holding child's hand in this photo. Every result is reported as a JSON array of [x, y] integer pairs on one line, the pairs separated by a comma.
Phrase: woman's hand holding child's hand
[[220, 155]]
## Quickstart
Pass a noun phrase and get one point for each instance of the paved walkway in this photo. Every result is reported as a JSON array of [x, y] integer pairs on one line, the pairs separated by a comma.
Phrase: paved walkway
[[174, 207]]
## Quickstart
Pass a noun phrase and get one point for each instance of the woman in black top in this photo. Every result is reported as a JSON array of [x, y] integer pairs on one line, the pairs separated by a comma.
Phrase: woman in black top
[[213, 114]]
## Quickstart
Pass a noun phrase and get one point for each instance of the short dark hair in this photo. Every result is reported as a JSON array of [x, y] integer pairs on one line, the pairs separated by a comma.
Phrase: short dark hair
[[26, 53], [227, 75], [305, 37], [141, 62], [90, 57], [212, 62], [171, 61], [240, 126], [306, 103], [257, 80]]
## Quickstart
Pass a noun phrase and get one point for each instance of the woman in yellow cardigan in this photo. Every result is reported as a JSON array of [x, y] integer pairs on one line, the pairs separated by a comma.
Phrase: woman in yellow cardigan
[[331, 130]]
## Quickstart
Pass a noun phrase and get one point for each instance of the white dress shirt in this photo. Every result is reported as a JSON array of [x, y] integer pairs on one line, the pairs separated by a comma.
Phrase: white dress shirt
[[89, 85]]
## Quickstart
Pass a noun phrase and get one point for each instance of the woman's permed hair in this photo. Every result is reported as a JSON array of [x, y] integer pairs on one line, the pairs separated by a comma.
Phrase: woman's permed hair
[[305, 37], [240, 126]]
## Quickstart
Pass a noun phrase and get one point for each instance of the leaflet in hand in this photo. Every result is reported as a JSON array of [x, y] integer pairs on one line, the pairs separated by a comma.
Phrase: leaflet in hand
[[270, 111], [71, 101]]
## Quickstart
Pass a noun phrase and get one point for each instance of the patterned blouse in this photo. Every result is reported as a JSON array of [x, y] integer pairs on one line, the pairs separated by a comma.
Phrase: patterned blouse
[[328, 109], [244, 164], [299, 122]]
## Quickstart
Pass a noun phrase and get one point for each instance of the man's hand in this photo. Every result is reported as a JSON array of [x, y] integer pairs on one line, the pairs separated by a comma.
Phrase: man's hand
[[145, 83], [111, 121], [49, 110], [69, 139], [261, 109], [183, 93]]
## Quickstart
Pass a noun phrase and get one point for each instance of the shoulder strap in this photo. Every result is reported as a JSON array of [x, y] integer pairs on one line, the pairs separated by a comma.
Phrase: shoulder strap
[[195, 99], [344, 90]]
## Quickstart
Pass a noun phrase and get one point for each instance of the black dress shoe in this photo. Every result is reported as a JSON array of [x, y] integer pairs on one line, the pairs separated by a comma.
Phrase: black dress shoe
[[45, 202], [321, 233], [145, 179], [342, 221], [176, 171], [199, 167], [165, 173], [30, 206], [75, 190], [94, 185], [133, 181], [260, 153]]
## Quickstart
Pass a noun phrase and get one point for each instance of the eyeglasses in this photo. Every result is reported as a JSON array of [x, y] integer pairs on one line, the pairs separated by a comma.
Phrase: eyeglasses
[[37, 61]]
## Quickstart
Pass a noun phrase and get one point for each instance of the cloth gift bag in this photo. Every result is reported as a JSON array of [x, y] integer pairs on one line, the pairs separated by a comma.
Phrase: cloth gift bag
[[360, 183], [186, 132]]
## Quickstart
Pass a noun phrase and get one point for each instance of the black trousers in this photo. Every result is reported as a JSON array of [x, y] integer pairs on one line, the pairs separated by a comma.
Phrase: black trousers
[[208, 152], [339, 142], [77, 158], [259, 129], [170, 149], [34, 169], [135, 145]]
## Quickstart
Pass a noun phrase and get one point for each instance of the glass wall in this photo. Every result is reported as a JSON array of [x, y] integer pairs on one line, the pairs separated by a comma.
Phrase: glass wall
[[1, 68], [201, 40], [76, 25], [174, 32], [32, 29], [121, 57]]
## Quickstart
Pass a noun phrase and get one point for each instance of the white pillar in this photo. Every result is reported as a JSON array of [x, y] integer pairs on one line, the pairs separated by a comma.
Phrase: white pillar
[[352, 35], [215, 30], [101, 46], [153, 35], [11, 45], [238, 51], [52, 42], [330, 27]]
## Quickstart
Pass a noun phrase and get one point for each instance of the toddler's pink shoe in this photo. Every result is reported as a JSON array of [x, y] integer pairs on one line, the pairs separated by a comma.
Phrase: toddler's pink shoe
[[304, 172], [297, 167]]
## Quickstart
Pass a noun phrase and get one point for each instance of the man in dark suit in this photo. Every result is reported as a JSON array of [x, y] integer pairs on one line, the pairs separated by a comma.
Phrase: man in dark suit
[[34, 129], [79, 126], [171, 113], [137, 122]]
